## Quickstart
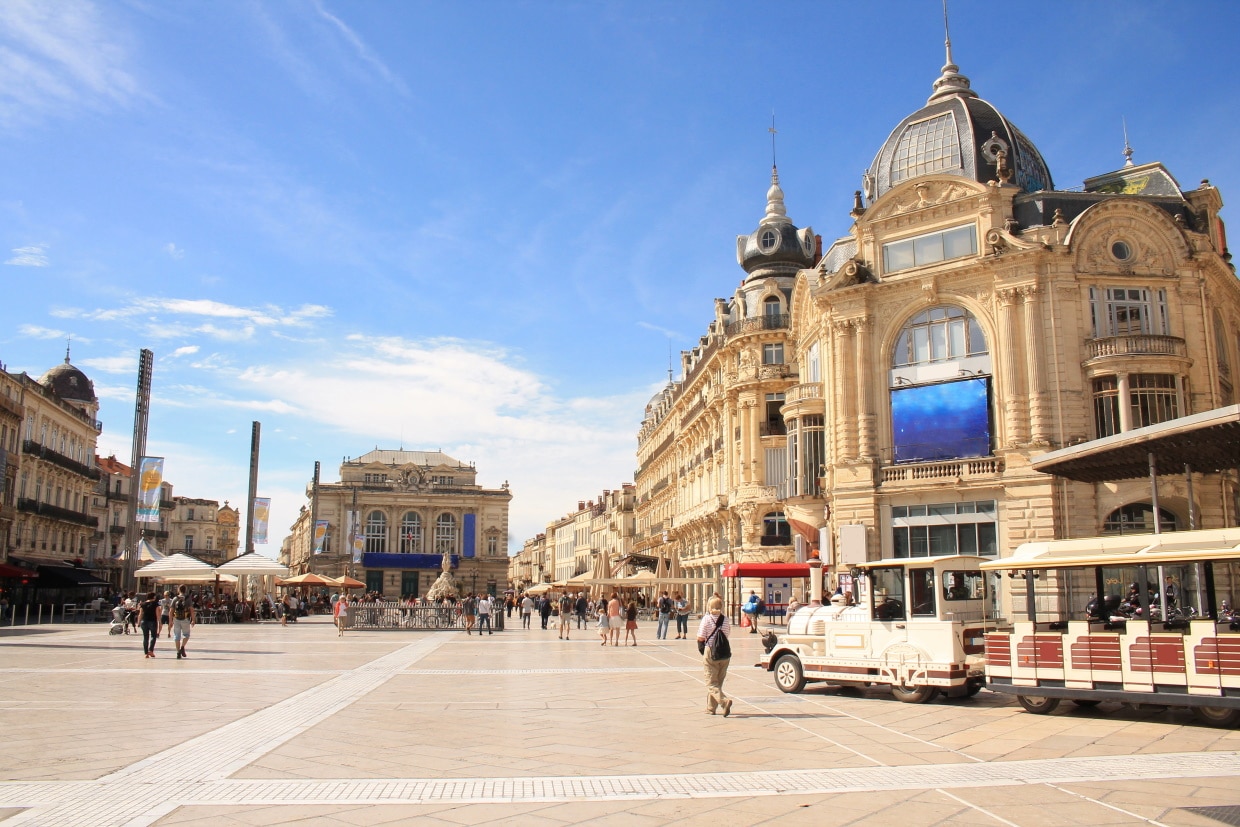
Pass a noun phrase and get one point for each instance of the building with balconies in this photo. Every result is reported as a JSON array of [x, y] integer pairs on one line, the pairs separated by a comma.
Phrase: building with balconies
[[11, 416], [202, 528], [56, 474], [712, 447], [110, 506], [974, 317], [410, 508]]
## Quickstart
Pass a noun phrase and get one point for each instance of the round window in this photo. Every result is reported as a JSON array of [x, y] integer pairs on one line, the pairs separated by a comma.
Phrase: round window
[[1121, 251], [767, 240]]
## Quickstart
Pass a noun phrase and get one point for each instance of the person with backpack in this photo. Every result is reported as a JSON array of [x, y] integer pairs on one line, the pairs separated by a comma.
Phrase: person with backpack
[[753, 609], [182, 620], [149, 613], [665, 609], [716, 649], [566, 615]]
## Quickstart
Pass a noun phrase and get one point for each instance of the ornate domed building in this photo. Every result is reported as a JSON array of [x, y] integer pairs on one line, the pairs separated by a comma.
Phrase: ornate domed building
[[975, 317]]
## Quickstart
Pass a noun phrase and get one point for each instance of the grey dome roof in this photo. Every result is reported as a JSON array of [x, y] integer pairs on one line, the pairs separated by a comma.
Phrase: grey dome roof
[[69, 383], [955, 133], [777, 247]]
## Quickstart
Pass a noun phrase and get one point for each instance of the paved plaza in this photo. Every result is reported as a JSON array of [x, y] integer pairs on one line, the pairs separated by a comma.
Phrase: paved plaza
[[267, 725]]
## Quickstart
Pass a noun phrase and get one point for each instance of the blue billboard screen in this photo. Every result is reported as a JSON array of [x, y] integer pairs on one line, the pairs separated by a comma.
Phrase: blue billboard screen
[[944, 421]]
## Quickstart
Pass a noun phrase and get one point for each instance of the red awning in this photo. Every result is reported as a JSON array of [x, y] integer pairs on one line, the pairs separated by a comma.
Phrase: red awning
[[8, 572], [766, 570]]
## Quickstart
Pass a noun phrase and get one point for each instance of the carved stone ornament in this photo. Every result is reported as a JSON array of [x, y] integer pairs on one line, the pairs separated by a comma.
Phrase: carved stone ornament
[[925, 194]]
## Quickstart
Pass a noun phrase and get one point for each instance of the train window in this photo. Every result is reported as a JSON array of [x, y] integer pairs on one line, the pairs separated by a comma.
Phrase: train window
[[888, 593], [962, 585], [921, 581]]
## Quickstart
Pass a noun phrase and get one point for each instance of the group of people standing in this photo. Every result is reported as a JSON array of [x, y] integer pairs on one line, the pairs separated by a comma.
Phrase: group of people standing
[[174, 616]]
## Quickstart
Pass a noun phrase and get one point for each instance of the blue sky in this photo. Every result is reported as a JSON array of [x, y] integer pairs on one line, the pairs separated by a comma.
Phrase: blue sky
[[480, 226]]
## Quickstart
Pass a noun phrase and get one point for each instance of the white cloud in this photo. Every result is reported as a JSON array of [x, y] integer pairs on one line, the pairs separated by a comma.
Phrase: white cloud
[[33, 256], [183, 351], [37, 332], [174, 251], [112, 364], [171, 318], [57, 57]]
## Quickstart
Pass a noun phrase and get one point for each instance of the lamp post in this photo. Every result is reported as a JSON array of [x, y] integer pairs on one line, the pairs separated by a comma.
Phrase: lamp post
[[473, 578]]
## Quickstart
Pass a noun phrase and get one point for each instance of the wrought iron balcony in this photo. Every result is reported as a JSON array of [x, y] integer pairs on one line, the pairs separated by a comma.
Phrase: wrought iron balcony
[[30, 448], [755, 324], [55, 512]]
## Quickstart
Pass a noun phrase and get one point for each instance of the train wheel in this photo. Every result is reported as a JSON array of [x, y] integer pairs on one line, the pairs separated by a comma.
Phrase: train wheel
[[1037, 704], [789, 676], [914, 694], [1216, 716]]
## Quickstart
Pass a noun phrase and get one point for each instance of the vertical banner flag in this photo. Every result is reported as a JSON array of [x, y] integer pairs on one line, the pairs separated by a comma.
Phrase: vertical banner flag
[[150, 479], [320, 533], [356, 536], [258, 518]]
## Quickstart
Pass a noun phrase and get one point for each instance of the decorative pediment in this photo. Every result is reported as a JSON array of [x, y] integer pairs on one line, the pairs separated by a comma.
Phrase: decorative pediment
[[852, 273], [922, 195], [1127, 237]]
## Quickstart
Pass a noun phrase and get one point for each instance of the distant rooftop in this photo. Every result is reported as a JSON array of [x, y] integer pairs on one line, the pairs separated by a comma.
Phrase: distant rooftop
[[423, 459]]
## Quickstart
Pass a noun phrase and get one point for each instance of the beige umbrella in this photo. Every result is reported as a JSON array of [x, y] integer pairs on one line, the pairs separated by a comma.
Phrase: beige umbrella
[[310, 579], [346, 582]]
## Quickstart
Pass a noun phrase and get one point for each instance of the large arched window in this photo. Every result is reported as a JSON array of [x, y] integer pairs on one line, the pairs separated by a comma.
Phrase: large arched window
[[376, 532], [940, 334], [445, 534], [1137, 518], [411, 533]]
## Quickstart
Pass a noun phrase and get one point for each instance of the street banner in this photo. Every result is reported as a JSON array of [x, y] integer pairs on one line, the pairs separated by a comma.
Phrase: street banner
[[355, 535], [320, 534], [258, 521], [150, 479]]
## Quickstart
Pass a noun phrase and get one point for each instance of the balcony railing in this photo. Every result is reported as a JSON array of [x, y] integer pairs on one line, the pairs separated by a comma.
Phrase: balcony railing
[[772, 428], [1138, 345], [31, 448], [938, 471], [798, 392], [65, 515], [754, 324]]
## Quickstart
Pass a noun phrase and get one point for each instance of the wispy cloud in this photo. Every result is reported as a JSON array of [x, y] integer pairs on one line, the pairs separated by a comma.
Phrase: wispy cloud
[[363, 51], [183, 351], [34, 331], [174, 251], [670, 334], [33, 256], [158, 309], [111, 364], [58, 57]]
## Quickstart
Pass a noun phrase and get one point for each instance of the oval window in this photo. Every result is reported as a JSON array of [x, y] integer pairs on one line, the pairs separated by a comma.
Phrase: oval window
[[1121, 251]]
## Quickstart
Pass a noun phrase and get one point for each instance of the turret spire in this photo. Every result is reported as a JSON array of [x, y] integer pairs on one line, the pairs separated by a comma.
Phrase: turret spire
[[951, 82], [1127, 148]]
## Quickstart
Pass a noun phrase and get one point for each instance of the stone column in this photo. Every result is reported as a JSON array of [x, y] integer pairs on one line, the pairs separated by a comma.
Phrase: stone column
[[866, 417], [845, 391], [1039, 424], [1125, 404], [1012, 400]]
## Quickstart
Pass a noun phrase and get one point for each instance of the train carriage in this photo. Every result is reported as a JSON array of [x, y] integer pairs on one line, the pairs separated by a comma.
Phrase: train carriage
[[1141, 619], [917, 626]]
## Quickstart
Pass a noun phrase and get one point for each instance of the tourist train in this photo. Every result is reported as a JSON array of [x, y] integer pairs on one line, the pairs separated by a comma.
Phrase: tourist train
[[1144, 619]]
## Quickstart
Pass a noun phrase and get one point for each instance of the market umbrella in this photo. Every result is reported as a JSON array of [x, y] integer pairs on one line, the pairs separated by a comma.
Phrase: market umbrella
[[174, 565], [347, 582], [254, 563], [311, 579]]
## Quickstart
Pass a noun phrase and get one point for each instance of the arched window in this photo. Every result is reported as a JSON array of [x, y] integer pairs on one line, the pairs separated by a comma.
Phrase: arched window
[[771, 306], [376, 532], [1137, 518], [940, 334], [445, 534], [411, 533]]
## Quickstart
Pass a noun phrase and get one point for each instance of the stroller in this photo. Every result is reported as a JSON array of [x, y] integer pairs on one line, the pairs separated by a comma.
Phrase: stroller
[[118, 626]]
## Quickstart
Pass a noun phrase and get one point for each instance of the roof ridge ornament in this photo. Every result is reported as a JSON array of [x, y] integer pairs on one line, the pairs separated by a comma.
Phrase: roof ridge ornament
[[1127, 148], [775, 210], [950, 82]]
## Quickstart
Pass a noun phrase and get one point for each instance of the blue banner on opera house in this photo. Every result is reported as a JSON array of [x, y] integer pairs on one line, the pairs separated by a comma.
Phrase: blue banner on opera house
[[376, 560]]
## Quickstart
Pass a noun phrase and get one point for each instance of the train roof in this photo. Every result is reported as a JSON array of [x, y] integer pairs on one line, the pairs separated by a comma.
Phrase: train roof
[[1172, 547]]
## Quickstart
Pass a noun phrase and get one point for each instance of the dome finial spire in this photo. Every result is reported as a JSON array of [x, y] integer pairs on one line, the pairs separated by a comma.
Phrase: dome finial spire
[[68, 344], [775, 210], [1127, 148], [950, 82]]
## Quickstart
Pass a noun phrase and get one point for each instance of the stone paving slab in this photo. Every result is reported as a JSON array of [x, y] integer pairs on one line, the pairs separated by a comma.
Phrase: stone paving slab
[[264, 724]]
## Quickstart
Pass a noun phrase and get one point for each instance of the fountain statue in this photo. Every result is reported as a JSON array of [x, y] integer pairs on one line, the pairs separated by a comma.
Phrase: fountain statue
[[445, 584]]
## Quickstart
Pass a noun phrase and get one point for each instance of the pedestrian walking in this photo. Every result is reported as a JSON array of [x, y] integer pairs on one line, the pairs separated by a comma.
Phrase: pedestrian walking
[[485, 607], [630, 622], [664, 609], [340, 614], [682, 617], [149, 613], [582, 607], [183, 620], [165, 606], [566, 615], [469, 608], [544, 609], [716, 649], [527, 609], [603, 627], [753, 609], [615, 618]]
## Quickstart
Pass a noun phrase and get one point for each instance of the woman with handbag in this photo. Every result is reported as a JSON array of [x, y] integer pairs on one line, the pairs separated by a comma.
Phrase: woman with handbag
[[712, 640]]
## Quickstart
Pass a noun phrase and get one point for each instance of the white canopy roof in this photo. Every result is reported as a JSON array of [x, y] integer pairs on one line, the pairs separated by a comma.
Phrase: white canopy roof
[[254, 563], [174, 565]]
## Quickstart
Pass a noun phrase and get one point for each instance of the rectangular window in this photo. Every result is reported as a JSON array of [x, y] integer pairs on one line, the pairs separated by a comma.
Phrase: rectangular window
[[1126, 311], [930, 248], [1106, 406], [408, 584], [940, 529], [773, 354], [374, 581], [1152, 398], [189, 542], [815, 366]]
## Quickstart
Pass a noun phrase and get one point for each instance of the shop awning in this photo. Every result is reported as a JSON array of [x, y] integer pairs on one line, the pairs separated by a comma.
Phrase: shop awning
[[8, 572], [68, 577], [766, 570]]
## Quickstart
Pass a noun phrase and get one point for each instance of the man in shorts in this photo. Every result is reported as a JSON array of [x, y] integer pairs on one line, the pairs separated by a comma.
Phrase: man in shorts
[[182, 620]]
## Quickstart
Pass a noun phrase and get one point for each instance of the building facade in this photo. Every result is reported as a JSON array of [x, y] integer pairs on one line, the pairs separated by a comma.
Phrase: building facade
[[974, 317], [55, 474], [884, 398], [204, 529], [12, 414], [597, 536], [412, 507], [110, 506]]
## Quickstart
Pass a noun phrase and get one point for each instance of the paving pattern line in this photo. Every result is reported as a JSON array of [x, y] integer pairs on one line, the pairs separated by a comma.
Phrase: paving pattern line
[[140, 793]]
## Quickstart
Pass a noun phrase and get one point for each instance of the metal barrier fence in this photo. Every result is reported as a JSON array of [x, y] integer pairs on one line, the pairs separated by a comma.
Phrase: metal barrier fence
[[426, 617]]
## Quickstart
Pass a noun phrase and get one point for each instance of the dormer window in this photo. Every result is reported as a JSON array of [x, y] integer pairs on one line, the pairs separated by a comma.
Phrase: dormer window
[[767, 240]]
